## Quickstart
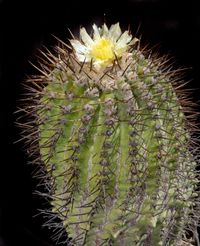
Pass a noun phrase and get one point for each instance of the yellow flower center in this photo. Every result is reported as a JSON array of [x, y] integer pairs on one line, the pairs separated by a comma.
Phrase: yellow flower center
[[103, 50]]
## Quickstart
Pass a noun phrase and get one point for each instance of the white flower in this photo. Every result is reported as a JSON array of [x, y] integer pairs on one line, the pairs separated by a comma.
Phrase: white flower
[[105, 46]]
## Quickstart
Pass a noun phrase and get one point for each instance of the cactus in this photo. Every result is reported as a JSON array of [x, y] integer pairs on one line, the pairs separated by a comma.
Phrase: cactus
[[110, 126]]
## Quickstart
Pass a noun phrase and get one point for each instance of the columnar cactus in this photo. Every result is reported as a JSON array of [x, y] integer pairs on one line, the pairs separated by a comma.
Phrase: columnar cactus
[[108, 126]]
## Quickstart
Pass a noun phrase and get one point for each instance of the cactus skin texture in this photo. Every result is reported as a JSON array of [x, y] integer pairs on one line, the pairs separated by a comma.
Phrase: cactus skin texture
[[116, 149]]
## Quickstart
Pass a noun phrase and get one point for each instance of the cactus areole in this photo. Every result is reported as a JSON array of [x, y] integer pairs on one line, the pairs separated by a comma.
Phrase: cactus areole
[[108, 125]]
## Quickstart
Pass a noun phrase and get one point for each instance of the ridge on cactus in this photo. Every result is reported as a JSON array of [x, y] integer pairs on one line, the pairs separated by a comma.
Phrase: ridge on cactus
[[112, 129]]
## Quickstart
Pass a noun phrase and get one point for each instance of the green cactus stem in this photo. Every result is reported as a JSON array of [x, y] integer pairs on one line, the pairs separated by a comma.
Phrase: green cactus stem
[[111, 128]]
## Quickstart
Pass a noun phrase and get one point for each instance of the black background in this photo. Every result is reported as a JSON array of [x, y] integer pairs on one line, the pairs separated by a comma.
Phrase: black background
[[27, 25]]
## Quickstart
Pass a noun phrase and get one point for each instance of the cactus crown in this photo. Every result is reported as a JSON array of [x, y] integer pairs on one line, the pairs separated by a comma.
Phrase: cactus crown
[[110, 129]]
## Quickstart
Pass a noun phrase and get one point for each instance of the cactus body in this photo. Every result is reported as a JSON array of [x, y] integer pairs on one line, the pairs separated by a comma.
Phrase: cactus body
[[116, 150]]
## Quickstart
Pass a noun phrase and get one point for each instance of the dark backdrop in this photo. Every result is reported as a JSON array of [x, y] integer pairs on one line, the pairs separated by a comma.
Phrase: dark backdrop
[[25, 27]]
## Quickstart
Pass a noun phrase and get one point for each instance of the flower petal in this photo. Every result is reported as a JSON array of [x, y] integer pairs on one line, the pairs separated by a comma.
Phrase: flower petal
[[134, 41], [86, 37], [124, 39], [115, 32], [96, 34], [83, 58], [79, 48], [122, 44], [105, 31]]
